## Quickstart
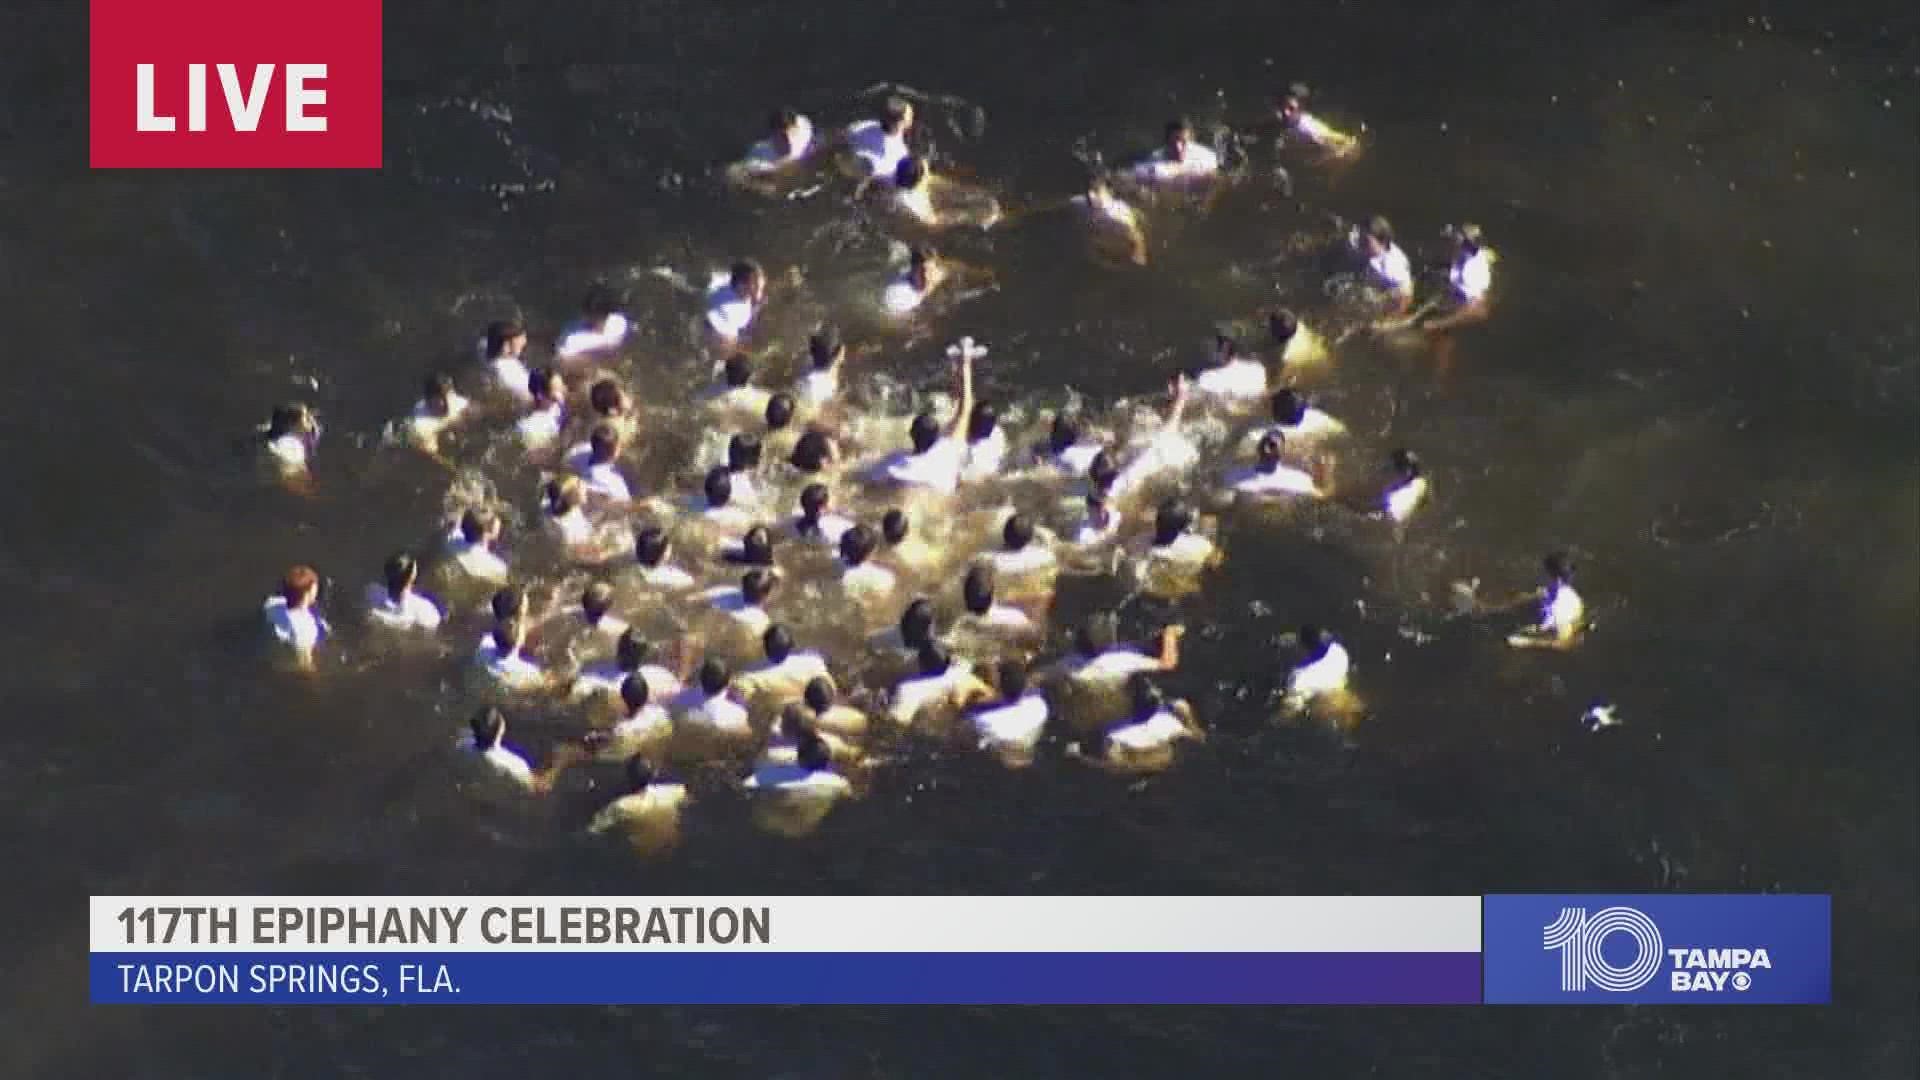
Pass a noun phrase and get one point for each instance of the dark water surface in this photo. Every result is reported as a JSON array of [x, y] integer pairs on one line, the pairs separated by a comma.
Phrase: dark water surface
[[1702, 380]]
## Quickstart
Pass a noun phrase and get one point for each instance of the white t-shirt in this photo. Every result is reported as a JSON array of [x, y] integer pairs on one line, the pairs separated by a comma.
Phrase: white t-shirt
[[829, 528], [1156, 731], [1015, 726], [508, 764], [424, 423], [1110, 209], [1168, 452], [411, 612], [604, 480], [731, 602], [542, 426], [512, 376], [1562, 612], [1111, 666], [1002, 618], [867, 579], [880, 151], [573, 527], [1472, 276], [1392, 269], [1321, 676], [607, 678], [666, 577], [289, 450], [766, 157], [798, 779], [984, 458], [1402, 500], [938, 469], [1234, 379], [1035, 558], [914, 695], [1075, 460], [651, 720], [515, 672], [1285, 480], [1200, 161], [1313, 425], [818, 387], [728, 313], [900, 297], [798, 669], [657, 798], [297, 628], [585, 340], [1187, 549], [717, 713], [477, 561]]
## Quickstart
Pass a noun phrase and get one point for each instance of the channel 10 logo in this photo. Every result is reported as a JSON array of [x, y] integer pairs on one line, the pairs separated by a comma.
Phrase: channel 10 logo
[[1579, 937]]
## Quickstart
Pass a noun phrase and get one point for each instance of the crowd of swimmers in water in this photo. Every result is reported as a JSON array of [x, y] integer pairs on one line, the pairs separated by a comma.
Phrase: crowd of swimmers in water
[[743, 689]]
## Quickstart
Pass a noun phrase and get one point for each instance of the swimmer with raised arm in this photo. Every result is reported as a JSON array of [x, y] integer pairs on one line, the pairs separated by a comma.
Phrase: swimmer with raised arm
[[1299, 125], [939, 453], [600, 328], [395, 605], [1167, 453], [1097, 659], [293, 615]]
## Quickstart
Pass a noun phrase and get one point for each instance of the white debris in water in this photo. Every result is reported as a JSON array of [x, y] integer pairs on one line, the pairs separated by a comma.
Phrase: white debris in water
[[1600, 716]]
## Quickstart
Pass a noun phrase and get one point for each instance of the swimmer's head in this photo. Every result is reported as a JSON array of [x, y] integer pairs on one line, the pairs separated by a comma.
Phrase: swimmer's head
[[812, 753], [756, 548], [564, 495], [1379, 235], [1289, 407], [748, 280], [1011, 677], [916, 623], [437, 391], [597, 601], [509, 634], [783, 127], [479, 525], [1559, 567], [1173, 518], [1404, 464], [982, 421], [1224, 348], [603, 444], [546, 385], [608, 399], [777, 641], [631, 650], [910, 173], [505, 338], [743, 452], [718, 486], [1282, 325], [976, 590], [1466, 238], [299, 586], [1017, 533], [814, 499], [1289, 105], [634, 693], [1144, 694], [1098, 190], [508, 602], [401, 572], [291, 419], [1096, 635], [714, 675], [756, 585], [639, 772], [920, 263], [780, 409], [1064, 435], [811, 452], [489, 726], [793, 721], [1102, 472], [934, 659], [737, 371], [894, 526], [896, 116], [924, 431], [857, 545], [1314, 642], [598, 304], [819, 693], [1268, 451], [825, 349], [1179, 137], [650, 546]]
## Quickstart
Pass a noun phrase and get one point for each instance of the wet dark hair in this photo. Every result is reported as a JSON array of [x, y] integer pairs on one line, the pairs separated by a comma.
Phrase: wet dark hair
[[814, 500], [437, 386], [634, 692], [1269, 448], [1173, 518], [1314, 642], [501, 332], [401, 572], [597, 601], [793, 721], [756, 585], [1064, 435], [1096, 635], [812, 753], [825, 348], [743, 452], [1011, 676], [650, 546], [976, 590], [779, 120], [476, 523], [508, 602], [488, 725], [916, 623], [894, 525], [540, 383], [598, 303], [924, 432], [631, 650], [780, 409], [1017, 533], [1179, 126], [910, 172], [508, 632], [738, 370], [819, 693], [894, 114], [714, 675], [756, 547], [1289, 407], [981, 421], [606, 397], [603, 444], [718, 486], [639, 773], [1282, 325], [563, 494], [811, 452], [741, 273], [1405, 462], [777, 641], [1101, 471], [934, 658], [285, 420], [1558, 565], [1381, 229], [857, 545]]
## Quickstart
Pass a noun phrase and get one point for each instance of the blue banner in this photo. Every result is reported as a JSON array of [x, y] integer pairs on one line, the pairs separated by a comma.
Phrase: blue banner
[[1657, 949], [783, 978]]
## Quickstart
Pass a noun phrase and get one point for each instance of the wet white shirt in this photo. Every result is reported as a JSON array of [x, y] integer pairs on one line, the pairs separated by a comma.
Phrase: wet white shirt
[[477, 561], [512, 376], [716, 713], [1035, 558], [900, 297], [411, 612], [1403, 499], [766, 156], [541, 426], [1002, 619], [793, 673], [1015, 726], [1200, 161], [984, 458], [817, 387], [290, 451], [608, 677], [1167, 453], [1327, 674], [666, 577], [1392, 270], [1156, 731], [914, 695], [728, 313], [426, 423], [508, 764], [1189, 549], [1562, 612], [880, 151], [573, 527], [867, 579], [828, 529], [1111, 666], [657, 798], [1313, 425], [650, 721], [585, 339], [1285, 480], [731, 602], [297, 628], [938, 469], [1472, 276], [798, 779], [1234, 379], [603, 481], [512, 671], [1110, 209]]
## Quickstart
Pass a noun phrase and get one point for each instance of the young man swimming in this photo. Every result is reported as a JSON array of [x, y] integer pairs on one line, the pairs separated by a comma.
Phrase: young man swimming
[[910, 288], [880, 144], [287, 442], [821, 383], [649, 801], [489, 727], [502, 348], [744, 605], [983, 614], [1561, 614], [1010, 724], [1297, 124], [817, 523], [439, 408], [1113, 220], [788, 143], [938, 455], [651, 549], [1270, 477], [914, 187], [708, 707], [732, 306], [600, 327], [1469, 281], [501, 658], [546, 417], [735, 399], [1322, 669], [1387, 265], [633, 656], [395, 605], [598, 466], [1144, 741], [293, 616], [471, 546], [1179, 159], [861, 577]]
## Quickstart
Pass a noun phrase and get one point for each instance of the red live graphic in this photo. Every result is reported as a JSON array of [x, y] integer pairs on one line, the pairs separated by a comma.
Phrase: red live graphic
[[227, 84]]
